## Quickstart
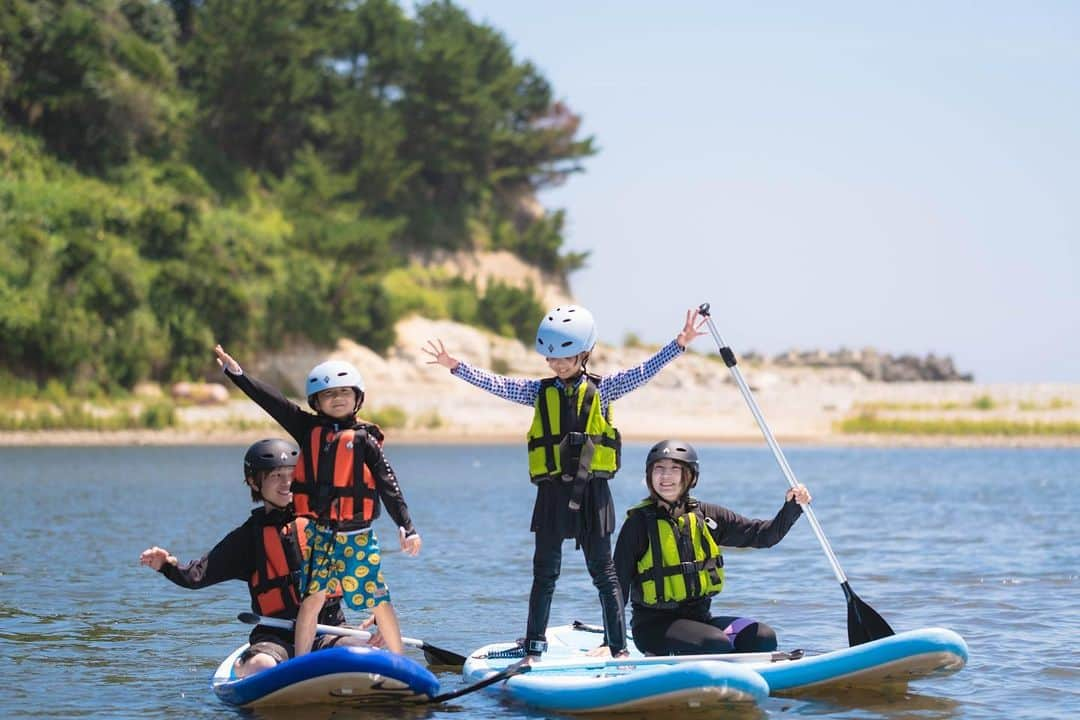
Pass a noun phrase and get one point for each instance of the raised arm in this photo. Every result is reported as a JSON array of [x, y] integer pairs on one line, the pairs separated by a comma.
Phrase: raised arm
[[518, 390], [295, 420], [734, 530], [614, 386]]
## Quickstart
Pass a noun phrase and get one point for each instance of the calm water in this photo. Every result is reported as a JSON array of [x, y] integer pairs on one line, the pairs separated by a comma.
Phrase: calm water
[[986, 542]]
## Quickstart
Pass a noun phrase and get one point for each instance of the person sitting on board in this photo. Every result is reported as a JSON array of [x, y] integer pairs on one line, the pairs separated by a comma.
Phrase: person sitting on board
[[573, 450], [669, 562], [266, 553], [338, 482]]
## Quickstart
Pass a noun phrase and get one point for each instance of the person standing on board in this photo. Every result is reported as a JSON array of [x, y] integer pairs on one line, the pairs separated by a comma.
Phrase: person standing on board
[[338, 482], [669, 562], [266, 553], [573, 451]]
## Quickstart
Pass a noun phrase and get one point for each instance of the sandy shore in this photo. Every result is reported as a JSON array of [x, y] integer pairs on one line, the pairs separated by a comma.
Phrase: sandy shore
[[693, 398]]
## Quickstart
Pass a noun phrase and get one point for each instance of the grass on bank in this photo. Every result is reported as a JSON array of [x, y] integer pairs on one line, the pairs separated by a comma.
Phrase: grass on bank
[[869, 422], [70, 414], [982, 402]]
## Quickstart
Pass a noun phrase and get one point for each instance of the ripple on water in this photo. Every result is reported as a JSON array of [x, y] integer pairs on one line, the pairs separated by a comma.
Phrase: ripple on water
[[928, 538]]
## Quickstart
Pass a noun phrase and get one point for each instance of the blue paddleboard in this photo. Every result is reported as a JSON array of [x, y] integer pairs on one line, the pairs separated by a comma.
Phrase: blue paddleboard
[[350, 675]]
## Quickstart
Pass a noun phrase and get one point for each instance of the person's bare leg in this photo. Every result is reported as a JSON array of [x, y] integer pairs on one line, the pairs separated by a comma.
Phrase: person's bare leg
[[386, 619], [306, 619], [256, 663]]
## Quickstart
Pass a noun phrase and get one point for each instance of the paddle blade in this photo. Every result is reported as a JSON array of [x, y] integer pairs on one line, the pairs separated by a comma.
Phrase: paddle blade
[[441, 656], [863, 622]]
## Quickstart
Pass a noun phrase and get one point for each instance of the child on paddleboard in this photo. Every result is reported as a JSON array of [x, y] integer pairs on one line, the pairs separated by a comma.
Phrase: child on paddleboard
[[266, 553], [573, 451], [338, 482], [669, 561]]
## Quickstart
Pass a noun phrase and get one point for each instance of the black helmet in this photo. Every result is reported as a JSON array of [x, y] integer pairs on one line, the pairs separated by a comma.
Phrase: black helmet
[[677, 450], [269, 454]]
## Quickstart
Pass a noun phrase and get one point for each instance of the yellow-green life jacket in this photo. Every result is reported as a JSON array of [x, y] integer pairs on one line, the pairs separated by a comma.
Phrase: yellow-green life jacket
[[691, 564], [570, 439]]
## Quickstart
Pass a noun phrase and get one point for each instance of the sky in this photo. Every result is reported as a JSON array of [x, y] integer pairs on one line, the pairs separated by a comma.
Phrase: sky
[[903, 176]]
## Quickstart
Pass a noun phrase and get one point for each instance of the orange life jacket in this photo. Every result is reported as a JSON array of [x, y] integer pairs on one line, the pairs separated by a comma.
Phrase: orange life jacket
[[332, 481], [279, 551]]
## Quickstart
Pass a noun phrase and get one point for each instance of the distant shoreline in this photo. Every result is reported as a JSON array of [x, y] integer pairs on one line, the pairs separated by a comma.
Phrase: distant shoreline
[[174, 437]]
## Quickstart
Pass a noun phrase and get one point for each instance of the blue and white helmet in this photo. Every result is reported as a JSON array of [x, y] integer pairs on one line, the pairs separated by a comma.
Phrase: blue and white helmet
[[333, 374], [566, 331]]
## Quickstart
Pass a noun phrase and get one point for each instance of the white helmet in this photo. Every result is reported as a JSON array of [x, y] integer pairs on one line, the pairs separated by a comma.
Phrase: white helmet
[[566, 331], [334, 374]]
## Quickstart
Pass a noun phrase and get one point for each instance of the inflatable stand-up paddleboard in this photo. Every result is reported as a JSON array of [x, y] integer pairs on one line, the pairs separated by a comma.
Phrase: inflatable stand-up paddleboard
[[889, 662], [352, 675], [892, 661], [568, 681]]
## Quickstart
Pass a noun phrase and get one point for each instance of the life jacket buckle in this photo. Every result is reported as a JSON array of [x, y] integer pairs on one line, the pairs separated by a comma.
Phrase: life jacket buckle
[[576, 438]]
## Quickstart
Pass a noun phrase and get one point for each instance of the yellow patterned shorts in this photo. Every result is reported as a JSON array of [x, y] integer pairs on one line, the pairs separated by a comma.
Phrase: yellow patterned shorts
[[348, 563]]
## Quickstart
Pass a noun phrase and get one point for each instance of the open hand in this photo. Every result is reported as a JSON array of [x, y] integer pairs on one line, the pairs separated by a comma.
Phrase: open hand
[[226, 361], [409, 545], [156, 558], [691, 329], [438, 352]]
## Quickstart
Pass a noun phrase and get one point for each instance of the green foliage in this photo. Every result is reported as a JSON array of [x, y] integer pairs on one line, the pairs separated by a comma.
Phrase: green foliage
[[94, 79], [510, 311], [387, 416], [431, 293], [60, 412], [254, 171]]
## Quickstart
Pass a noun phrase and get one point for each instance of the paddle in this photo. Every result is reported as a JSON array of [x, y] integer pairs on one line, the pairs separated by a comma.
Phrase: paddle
[[585, 663], [497, 677], [435, 655], [863, 622]]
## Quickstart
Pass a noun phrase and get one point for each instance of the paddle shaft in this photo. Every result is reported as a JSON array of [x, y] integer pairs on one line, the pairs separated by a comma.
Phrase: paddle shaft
[[729, 360], [505, 674], [253, 619]]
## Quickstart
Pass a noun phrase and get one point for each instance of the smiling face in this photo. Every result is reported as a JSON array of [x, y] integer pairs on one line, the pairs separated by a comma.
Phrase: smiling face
[[667, 479], [566, 368], [275, 486], [339, 403]]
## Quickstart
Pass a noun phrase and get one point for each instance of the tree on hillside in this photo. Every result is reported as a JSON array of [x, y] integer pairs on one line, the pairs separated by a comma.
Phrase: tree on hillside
[[258, 69], [95, 79], [174, 172]]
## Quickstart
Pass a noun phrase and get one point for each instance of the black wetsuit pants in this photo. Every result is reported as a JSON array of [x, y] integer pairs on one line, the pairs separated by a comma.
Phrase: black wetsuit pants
[[547, 561], [683, 636]]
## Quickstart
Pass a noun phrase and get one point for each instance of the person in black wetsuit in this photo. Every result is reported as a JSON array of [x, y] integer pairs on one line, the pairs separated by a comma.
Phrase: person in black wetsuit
[[671, 598], [265, 553], [339, 481]]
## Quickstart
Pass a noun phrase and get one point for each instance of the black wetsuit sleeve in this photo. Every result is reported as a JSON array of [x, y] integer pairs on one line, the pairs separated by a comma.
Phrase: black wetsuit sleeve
[[629, 546], [231, 559], [386, 484], [296, 421], [734, 530]]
